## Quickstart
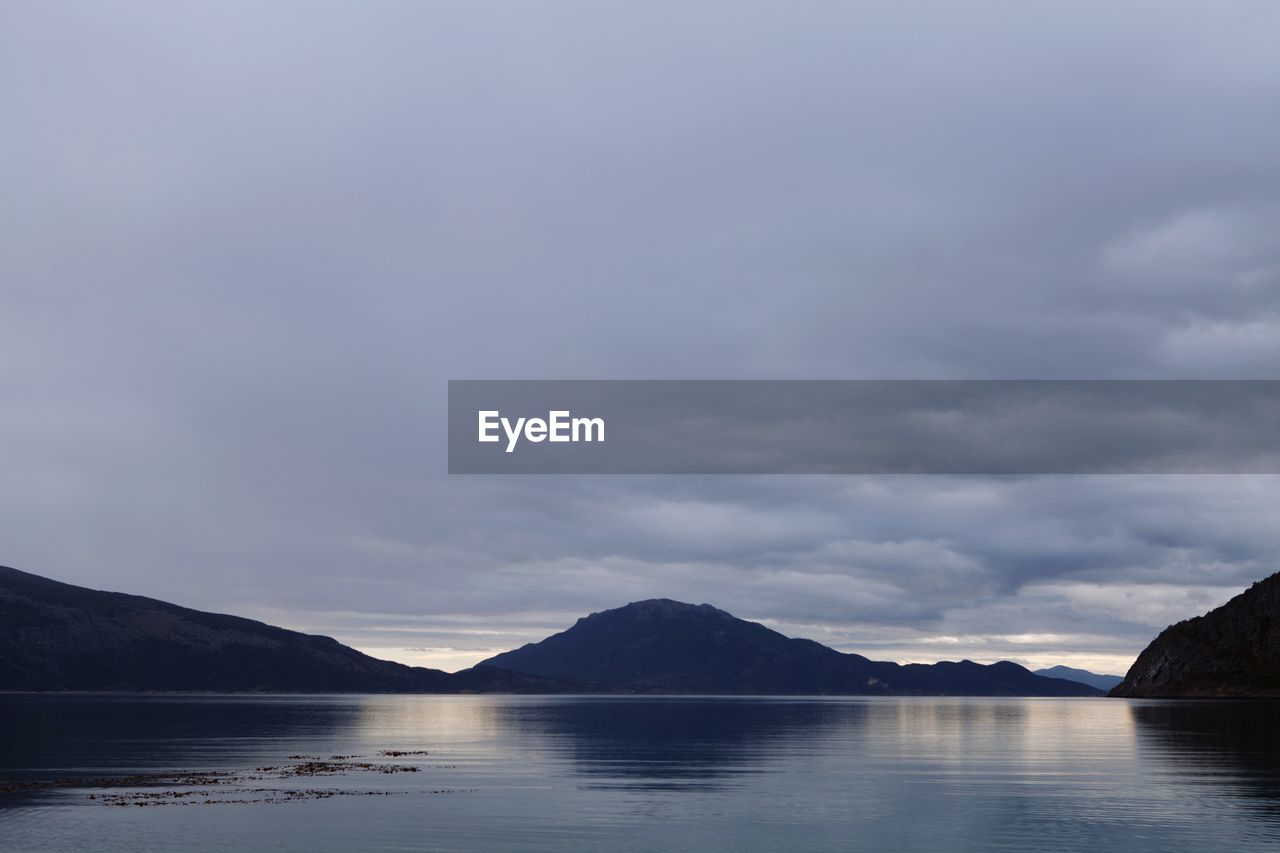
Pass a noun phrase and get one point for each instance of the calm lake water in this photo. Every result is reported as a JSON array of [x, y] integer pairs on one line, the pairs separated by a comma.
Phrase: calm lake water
[[614, 774]]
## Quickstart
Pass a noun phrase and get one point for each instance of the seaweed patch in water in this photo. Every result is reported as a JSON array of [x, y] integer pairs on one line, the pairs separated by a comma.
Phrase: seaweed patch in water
[[231, 787]]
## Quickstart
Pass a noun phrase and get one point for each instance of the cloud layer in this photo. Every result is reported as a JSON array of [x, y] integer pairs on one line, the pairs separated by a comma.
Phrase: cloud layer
[[242, 249]]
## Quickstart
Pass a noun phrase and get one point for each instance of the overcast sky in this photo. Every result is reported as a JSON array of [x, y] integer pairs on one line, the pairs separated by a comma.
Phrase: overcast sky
[[243, 246]]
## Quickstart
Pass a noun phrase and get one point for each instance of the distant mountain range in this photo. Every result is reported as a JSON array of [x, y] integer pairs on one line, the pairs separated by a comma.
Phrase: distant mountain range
[[1233, 650], [668, 646], [1084, 676], [56, 636]]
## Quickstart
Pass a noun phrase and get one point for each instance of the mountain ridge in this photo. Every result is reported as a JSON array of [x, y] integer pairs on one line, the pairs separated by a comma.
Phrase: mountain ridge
[[58, 636], [702, 648], [1084, 676], [1231, 651]]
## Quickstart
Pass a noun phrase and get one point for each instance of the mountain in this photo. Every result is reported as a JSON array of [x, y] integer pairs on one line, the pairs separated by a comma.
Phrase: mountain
[[667, 646], [55, 636], [1233, 650], [1084, 676]]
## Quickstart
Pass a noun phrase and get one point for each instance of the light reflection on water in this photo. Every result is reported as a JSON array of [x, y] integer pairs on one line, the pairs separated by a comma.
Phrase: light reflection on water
[[632, 773]]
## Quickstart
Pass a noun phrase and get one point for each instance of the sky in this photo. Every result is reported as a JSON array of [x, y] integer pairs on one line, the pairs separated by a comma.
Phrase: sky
[[243, 246]]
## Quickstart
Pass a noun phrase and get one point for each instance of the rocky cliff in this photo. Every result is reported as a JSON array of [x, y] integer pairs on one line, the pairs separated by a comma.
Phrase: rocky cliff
[[1231, 651]]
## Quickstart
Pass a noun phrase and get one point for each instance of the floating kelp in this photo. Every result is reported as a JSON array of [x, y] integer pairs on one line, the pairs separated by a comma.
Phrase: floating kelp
[[230, 787]]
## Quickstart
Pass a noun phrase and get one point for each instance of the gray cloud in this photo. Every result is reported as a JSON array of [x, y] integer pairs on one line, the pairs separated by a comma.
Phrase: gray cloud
[[243, 247]]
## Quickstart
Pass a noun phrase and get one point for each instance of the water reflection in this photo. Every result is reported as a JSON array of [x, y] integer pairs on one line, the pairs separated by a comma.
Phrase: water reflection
[[43, 737], [678, 743], [1224, 748], [667, 773]]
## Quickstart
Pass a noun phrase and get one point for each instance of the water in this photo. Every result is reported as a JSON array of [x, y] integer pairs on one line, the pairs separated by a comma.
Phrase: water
[[630, 774]]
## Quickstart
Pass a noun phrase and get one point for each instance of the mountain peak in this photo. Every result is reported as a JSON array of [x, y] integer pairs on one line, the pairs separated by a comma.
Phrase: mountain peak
[[661, 608], [661, 645], [68, 637]]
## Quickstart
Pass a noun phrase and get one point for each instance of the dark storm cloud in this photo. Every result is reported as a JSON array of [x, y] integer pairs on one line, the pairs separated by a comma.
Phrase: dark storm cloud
[[242, 247]]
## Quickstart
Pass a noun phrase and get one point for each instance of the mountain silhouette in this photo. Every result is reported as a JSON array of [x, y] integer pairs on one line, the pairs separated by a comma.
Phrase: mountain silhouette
[[56, 636], [1233, 650], [668, 646]]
